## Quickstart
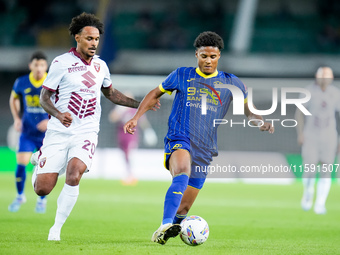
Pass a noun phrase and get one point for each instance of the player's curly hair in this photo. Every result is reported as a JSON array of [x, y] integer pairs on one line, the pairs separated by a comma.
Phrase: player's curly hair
[[84, 20], [209, 38]]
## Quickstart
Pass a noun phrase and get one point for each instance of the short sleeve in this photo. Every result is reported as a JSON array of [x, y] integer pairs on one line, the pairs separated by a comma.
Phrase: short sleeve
[[107, 77], [55, 75], [170, 83], [16, 89]]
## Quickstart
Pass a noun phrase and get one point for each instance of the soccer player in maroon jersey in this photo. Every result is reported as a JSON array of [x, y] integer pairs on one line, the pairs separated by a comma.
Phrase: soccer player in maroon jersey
[[71, 95]]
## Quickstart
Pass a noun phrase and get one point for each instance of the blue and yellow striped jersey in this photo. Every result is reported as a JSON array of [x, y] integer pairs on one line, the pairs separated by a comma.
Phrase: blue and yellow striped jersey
[[186, 120], [28, 90]]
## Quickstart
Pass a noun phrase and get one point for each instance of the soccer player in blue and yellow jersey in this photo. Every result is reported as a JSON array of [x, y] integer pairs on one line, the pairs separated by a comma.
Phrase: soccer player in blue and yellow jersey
[[30, 120], [192, 139]]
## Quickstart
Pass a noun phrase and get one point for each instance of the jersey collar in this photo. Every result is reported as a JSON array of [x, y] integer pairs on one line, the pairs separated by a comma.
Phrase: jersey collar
[[214, 74], [37, 83], [74, 51]]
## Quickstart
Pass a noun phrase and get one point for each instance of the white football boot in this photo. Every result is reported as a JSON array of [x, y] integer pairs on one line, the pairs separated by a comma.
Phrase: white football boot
[[307, 202], [164, 232], [54, 234], [320, 209]]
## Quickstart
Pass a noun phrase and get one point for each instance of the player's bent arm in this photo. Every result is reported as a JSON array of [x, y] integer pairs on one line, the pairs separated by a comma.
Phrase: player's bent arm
[[300, 119], [14, 105], [148, 103], [257, 120], [46, 103], [117, 97]]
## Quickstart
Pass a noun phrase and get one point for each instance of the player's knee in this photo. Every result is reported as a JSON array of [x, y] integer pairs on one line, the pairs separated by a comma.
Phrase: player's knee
[[181, 169], [73, 179], [74, 172], [180, 162], [42, 190], [45, 183], [184, 170]]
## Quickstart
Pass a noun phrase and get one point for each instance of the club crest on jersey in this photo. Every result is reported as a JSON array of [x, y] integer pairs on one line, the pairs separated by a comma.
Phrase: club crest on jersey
[[96, 66], [42, 162]]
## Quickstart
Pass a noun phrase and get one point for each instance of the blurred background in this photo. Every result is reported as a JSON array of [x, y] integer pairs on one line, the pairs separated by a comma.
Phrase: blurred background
[[268, 43]]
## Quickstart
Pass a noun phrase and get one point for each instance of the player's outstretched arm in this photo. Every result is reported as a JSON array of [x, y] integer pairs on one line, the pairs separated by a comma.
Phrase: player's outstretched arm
[[117, 97], [267, 126], [14, 104], [150, 101], [46, 103]]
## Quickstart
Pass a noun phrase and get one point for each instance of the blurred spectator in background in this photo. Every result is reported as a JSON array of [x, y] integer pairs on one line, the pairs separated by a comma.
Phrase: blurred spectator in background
[[329, 38], [108, 49], [329, 35], [318, 136], [284, 12], [172, 36], [32, 124], [146, 25], [127, 143]]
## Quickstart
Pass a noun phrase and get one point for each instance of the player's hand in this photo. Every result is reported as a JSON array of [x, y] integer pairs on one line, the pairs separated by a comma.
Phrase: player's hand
[[267, 127], [65, 118], [156, 106], [42, 125], [130, 126], [18, 125]]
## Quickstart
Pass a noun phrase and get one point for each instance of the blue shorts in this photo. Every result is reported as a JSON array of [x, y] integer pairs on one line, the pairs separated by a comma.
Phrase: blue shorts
[[27, 144], [197, 177]]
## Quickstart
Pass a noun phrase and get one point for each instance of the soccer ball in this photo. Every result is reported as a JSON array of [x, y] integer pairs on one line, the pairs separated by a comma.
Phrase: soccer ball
[[195, 230]]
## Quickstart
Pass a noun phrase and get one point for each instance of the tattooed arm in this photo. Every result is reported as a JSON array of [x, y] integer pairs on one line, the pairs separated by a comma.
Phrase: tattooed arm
[[45, 101], [117, 97]]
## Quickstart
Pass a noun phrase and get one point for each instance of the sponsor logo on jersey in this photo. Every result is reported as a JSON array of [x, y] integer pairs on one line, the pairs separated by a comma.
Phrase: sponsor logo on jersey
[[199, 105], [89, 82], [213, 90], [87, 91], [196, 94], [28, 90], [76, 69], [176, 146]]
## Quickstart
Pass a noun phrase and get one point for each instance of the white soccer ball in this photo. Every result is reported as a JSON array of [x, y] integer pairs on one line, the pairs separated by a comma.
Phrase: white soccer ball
[[195, 230]]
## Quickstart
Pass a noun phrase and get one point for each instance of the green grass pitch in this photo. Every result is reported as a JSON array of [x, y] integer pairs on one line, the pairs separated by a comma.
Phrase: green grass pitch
[[113, 219]]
